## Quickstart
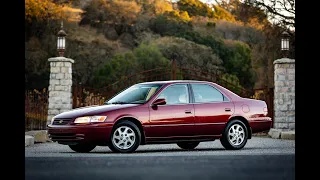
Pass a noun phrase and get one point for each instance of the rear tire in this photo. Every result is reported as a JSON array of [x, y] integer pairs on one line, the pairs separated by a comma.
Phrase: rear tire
[[235, 135], [188, 145], [82, 148], [125, 137]]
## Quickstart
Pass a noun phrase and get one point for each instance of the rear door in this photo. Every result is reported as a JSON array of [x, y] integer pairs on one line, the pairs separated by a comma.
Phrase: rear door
[[212, 109]]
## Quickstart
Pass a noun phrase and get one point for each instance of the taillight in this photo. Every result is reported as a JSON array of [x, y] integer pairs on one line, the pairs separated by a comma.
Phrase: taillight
[[265, 109]]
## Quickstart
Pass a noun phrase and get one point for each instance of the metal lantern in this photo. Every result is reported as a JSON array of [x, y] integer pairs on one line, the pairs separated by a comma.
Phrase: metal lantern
[[61, 43], [285, 43]]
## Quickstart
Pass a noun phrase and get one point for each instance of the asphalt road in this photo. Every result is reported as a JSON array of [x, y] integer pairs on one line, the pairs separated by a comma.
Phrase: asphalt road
[[262, 158]]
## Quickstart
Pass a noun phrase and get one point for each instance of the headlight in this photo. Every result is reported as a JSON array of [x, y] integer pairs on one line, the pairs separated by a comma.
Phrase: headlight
[[52, 120], [89, 119]]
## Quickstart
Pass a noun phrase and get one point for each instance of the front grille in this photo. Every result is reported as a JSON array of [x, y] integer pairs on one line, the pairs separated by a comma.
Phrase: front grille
[[61, 121]]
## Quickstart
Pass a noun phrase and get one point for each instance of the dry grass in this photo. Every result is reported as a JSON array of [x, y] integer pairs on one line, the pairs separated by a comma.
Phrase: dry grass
[[88, 34], [72, 14]]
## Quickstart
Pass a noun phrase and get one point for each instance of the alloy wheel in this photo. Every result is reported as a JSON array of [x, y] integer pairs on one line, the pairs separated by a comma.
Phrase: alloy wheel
[[236, 134], [124, 137]]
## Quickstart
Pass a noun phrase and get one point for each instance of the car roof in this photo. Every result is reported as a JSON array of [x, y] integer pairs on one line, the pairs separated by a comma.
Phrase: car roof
[[175, 81], [227, 91]]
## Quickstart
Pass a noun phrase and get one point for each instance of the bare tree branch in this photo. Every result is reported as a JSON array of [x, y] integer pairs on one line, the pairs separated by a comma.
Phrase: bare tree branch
[[273, 11], [218, 3], [280, 10], [290, 9]]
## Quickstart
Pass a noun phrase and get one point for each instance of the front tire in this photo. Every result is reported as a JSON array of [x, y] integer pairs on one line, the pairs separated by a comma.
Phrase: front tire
[[125, 137], [82, 148], [235, 135], [188, 145]]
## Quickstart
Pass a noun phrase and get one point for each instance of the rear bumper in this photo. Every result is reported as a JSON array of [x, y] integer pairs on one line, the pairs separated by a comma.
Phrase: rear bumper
[[73, 134], [260, 125]]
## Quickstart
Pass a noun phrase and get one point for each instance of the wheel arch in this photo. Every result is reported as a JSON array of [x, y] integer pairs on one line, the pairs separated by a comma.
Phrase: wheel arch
[[137, 123], [245, 121]]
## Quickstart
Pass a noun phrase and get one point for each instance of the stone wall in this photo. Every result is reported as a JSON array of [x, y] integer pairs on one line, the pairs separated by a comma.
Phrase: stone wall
[[60, 94], [284, 94]]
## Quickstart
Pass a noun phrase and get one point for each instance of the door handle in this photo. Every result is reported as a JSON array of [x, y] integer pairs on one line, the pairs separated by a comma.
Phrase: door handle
[[188, 111], [227, 109]]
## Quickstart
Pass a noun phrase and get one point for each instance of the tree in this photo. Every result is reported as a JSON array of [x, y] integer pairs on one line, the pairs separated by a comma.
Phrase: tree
[[144, 57], [162, 6], [280, 11], [238, 62], [42, 10], [195, 8], [111, 12], [170, 23], [188, 54], [220, 13]]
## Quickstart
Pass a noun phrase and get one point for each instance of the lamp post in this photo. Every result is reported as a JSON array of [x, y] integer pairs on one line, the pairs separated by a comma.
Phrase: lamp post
[[61, 43], [285, 43]]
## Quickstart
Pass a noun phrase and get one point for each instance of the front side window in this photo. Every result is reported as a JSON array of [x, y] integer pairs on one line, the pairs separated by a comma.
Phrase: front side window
[[136, 94], [175, 94], [204, 93]]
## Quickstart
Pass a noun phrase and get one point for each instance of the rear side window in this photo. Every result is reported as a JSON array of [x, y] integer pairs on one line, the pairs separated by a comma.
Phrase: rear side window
[[204, 93]]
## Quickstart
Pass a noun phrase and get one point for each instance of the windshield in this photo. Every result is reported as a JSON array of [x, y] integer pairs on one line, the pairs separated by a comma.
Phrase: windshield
[[136, 94]]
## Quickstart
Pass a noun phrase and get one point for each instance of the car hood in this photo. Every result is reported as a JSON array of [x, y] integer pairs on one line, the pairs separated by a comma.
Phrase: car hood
[[93, 110]]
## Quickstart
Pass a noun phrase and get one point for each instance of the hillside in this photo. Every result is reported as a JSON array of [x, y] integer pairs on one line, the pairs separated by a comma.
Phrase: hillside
[[111, 39]]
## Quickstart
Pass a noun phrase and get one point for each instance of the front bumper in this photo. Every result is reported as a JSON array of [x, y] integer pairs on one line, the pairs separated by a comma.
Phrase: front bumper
[[73, 134]]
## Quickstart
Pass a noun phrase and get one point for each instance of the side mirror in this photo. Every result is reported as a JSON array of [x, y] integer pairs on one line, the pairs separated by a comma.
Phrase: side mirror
[[159, 102]]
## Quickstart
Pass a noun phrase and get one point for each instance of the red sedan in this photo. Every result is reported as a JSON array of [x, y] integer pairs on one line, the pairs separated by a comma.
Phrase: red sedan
[[182, 112]]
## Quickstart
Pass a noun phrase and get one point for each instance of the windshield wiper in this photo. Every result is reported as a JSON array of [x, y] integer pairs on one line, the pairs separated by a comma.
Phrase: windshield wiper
[[118, 102]]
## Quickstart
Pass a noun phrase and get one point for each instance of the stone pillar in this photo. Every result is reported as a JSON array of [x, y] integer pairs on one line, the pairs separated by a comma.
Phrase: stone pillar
[[284, 94], [60, 94]]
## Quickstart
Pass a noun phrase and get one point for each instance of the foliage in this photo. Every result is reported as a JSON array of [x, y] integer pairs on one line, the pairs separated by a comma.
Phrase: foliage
[[239, 62], [281, 11], [233, 79], [247, 13], [37, 52], [236, 37], [261, 35], [204, 25], [236, 58], [220, 13], [259, 94], [211, 24], [254, 37], [195, 8], [111, 11], [170, 23], [42, 10], [162, 6], [142, 58], [178, 16], [87, 47], [231, 82], [149, 57], [34, 55], [188, 54], [238, 31]]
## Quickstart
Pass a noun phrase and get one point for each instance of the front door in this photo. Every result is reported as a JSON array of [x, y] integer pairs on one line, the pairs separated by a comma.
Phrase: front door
[[175, 119]]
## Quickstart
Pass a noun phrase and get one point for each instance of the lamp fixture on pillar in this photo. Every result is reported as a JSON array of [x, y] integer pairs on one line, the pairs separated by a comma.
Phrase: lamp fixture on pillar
[[61, 43], [285, 43]]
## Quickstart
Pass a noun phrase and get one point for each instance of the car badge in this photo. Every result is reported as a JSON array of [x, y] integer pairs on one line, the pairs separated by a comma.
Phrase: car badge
[[60, 121]]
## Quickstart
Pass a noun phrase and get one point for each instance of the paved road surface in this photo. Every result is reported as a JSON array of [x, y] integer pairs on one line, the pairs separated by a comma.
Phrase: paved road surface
[[262, 158]]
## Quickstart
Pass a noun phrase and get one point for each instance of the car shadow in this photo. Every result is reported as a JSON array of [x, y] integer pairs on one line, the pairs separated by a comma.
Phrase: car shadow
[[144, 151]]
